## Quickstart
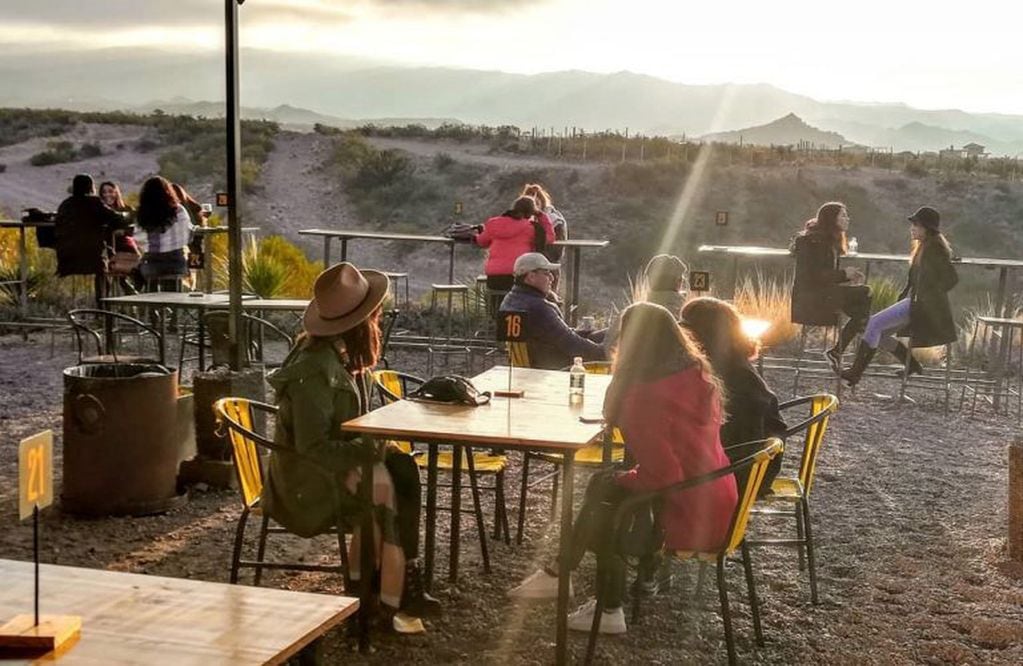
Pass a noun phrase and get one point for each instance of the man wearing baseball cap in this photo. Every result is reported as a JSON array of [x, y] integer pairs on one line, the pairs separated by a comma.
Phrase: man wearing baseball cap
[[551, 342]]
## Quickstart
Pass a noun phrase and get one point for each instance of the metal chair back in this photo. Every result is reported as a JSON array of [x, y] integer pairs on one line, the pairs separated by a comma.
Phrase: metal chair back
[[237, 415]]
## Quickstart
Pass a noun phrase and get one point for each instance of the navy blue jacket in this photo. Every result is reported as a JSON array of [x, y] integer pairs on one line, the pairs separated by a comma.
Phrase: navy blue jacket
[[551, 343]]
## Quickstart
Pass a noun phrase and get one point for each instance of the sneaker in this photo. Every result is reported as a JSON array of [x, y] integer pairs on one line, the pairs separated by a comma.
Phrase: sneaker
[[611, 621], [538, 585]]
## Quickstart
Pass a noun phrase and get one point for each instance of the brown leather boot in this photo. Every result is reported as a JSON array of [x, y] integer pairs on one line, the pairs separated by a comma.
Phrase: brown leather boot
[[864, 355]]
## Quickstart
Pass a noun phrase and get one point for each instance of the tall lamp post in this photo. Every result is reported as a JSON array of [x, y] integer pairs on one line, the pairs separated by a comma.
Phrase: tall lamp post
[[234, 223]]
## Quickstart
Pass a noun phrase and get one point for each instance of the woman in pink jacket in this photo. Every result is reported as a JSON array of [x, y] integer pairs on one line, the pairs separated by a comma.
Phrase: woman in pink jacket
[[665, 399], [509, 236]]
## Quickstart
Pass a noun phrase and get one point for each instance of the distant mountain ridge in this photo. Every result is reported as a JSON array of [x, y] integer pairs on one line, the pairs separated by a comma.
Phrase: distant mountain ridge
[[337, 89], [785, 131]]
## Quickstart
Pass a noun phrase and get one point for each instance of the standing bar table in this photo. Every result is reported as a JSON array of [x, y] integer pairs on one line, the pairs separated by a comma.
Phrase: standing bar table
[[207, 268], [542, 420], [347, 235], [574, 248]]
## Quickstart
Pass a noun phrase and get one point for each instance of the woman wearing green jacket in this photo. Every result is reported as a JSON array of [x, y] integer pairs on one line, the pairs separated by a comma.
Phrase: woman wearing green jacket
[[313, 484]]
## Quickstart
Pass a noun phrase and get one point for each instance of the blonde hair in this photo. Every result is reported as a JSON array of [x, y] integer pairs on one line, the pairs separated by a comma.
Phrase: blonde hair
[[535, 190]]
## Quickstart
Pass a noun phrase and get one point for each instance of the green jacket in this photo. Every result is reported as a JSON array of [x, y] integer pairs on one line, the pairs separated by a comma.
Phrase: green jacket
[[315, 395]]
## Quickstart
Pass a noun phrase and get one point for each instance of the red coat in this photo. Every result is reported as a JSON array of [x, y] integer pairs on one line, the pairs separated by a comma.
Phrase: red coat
[[508, 239], [671, 427]]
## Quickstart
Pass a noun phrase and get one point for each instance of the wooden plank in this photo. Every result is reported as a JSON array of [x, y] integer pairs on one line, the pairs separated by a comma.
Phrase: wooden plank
[[132, 618]]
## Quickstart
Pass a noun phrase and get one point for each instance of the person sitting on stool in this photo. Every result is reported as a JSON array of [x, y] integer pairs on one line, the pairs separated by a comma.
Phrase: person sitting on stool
[[922, 309], [821, 288]]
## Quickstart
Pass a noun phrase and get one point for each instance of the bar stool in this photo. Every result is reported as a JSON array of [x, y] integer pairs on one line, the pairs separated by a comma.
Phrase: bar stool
[[394, 278], [444, 347], [1005, 330], [832, 330], [451, 290]]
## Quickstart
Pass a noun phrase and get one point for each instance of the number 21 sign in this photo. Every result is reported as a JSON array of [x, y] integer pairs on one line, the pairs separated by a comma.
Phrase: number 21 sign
[[35, 473]]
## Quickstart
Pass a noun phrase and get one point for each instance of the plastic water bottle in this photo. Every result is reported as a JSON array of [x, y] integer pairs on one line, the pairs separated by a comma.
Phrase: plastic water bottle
[[576, 380], [854, 245]]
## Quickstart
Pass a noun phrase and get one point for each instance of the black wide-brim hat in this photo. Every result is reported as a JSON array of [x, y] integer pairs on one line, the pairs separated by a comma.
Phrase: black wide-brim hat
[[926, 217]]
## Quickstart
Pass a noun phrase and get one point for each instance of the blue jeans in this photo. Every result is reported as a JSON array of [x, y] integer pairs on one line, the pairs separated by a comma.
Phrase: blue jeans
[[886, 322]]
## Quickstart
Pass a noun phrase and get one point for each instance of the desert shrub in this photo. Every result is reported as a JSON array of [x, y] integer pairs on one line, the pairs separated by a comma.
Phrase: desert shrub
[[442, 161], [3, 167], [57, 152], [883, 293], [760, 296], [145, 145], [915, 168], [301, 271], [90, 150]]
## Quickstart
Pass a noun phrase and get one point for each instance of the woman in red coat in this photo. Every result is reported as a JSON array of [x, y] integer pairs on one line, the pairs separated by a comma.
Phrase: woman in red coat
[[667, 403], [509, 236]]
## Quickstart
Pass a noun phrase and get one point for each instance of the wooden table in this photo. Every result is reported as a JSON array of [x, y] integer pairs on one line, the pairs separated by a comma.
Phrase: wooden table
[[346, 235], [541, 420], [574, 247], [132, 618]]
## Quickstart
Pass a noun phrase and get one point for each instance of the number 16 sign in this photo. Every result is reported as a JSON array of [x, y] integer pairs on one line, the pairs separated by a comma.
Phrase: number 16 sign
[[35, 473]]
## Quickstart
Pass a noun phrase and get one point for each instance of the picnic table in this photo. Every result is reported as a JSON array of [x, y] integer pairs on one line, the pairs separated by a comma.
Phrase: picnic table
[[541, 420], [139, 619], [574, 247], [345, 235]]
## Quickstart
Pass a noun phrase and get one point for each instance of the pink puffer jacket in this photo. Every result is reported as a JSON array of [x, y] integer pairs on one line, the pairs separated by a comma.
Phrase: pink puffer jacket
[[507, 240]]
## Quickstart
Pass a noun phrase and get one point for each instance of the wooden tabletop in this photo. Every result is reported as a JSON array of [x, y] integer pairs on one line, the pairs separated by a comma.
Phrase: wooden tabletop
[[756, 251], [18, 224], [542, 419], [223, 229], [194, 299], [377, 235], [137, 619], [288, 304], [581, 243]]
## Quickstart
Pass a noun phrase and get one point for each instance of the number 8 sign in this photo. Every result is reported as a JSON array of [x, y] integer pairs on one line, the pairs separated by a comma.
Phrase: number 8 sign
[[35, 473]]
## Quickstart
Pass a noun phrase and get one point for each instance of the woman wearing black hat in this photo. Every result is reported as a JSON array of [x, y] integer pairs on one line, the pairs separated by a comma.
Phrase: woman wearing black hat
[[922, 311], [821, 289]]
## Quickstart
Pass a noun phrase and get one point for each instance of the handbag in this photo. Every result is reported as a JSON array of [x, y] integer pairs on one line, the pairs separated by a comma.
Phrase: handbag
[[123, 262], [450, 390], [460, 232]]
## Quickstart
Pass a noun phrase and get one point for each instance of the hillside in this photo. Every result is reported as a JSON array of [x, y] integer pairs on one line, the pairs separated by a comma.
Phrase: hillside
[[305, 182], [789, 130]]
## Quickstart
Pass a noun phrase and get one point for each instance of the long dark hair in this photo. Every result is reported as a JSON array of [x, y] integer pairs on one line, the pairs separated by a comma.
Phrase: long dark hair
[[359, 347], [826, 224], [523, 208], [158, 205], [717, 328], [652, 345], [931, 237]]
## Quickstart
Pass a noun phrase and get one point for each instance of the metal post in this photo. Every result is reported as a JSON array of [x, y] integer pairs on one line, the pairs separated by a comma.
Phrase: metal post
[[234, 223], [23, 272]]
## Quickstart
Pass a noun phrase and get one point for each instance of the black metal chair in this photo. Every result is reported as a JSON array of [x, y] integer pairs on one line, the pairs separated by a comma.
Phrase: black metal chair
[[217, 340], [105, 328], [736, 540]]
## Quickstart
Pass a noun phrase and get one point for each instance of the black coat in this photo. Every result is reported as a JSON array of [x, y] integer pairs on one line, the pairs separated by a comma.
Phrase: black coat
[[752, 414], [816, 295], [83, 228], [931, 277]]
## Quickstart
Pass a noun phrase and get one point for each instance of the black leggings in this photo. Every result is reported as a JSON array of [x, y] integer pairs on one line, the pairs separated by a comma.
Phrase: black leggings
[[408, 496], [854, 301]]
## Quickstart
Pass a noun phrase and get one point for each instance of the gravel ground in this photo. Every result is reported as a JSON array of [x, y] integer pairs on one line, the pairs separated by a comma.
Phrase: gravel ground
[[910, 520]]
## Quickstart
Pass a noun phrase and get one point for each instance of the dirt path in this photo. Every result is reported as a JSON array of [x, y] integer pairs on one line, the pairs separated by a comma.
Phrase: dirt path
[[909, 517]]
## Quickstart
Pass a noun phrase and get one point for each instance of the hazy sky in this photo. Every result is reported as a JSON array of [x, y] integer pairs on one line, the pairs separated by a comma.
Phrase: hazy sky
[[928, 55]]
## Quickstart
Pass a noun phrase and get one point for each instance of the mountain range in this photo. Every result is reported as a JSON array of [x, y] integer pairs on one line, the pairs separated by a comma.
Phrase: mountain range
[[302, 89]]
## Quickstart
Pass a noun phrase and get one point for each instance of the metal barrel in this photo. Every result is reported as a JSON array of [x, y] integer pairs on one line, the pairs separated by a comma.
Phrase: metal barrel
[[121, 439]]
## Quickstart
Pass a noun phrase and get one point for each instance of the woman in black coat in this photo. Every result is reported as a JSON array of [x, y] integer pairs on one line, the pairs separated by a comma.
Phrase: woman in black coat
[[922, 312], [753, 412], [821, 289]]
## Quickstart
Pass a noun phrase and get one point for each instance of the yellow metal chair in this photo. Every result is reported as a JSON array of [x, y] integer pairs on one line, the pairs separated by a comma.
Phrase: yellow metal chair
[[239, 415], [736, 540], [518, 355], [790, 495], [590, 456], [392, 386]]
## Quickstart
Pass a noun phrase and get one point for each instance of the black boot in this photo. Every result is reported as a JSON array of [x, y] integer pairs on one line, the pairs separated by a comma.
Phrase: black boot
[[900, 352], [415, 600], [864, 355]]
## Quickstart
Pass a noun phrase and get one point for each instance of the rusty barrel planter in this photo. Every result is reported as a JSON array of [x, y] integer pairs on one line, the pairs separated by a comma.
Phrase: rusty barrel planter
[[122, 443]]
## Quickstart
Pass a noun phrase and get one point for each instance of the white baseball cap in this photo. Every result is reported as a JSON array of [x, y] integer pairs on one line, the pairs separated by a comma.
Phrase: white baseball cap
[[533, 261]]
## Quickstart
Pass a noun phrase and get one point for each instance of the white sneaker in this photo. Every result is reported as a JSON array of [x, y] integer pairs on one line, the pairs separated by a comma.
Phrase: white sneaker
[[611, 622], [538, 585]]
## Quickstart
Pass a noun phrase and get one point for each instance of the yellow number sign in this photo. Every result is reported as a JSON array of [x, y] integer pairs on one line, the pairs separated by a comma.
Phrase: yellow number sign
[[35, 473]]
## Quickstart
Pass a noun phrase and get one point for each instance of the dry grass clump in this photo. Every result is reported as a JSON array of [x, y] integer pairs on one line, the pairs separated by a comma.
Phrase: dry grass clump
[[759, 296]]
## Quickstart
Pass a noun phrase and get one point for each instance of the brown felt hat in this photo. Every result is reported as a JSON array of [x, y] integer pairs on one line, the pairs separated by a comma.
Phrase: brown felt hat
[[343, 297]]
